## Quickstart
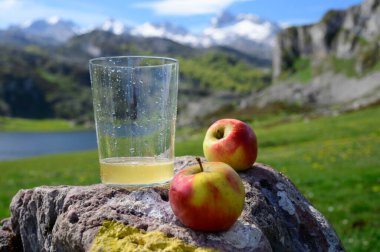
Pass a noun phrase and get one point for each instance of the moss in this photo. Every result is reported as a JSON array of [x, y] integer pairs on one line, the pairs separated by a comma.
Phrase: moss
[[35, 50], [368, 57], [114, 236], [344, 66], [300, 70], [303, 69], [363, 41], [376, 67], [223, 72]]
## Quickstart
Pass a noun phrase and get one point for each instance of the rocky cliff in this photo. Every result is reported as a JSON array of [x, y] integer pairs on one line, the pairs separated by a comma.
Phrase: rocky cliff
[[331, 66], [346, 38]]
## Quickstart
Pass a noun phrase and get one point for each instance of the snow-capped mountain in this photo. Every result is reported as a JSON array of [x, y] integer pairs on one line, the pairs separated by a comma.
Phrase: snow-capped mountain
[[115, 26], [227, 28], [53, 28], [244, 32], [166, 30]]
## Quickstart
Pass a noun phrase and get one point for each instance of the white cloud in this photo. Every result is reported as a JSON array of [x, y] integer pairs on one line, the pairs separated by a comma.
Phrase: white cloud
[[187, 8], [23, 11]]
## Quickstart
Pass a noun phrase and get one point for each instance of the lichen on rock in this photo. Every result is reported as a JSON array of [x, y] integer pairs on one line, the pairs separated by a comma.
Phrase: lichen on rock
[[115, 236]]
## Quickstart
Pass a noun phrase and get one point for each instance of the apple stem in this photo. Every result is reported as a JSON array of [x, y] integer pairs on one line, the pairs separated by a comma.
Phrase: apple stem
[[200, 163]]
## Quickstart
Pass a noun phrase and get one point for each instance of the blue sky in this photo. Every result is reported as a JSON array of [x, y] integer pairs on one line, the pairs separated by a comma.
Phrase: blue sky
[[192, 14]]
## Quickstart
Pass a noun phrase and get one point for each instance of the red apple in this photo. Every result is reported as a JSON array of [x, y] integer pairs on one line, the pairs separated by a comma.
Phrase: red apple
[[207, 198], [232, 142]]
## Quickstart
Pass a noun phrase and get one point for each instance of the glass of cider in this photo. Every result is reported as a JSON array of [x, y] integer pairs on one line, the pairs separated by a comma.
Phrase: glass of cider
[[135, 107]]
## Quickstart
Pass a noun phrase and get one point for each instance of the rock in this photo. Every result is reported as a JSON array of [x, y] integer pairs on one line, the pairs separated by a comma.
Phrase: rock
[[326, 93], [8, 240], [276, 217]]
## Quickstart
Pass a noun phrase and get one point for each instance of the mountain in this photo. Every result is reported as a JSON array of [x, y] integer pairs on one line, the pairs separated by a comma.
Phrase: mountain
[[102, 43], [34, 84], [332, 64], [244, 32], [114, 26], [167, 30], [52, 30]]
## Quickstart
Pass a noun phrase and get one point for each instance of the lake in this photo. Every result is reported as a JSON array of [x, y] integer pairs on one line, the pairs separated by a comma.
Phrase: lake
[[27, 144]]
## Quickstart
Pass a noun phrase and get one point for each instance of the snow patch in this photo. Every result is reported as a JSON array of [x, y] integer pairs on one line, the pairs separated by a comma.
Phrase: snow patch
[[114, 26], [53, 20]]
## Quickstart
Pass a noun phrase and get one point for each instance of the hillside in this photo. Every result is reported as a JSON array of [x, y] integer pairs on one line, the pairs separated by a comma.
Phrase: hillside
[[33, 85], [53, 82]]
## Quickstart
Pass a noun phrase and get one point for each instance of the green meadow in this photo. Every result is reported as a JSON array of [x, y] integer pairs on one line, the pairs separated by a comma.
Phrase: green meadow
[[334, 161], [20, 124]]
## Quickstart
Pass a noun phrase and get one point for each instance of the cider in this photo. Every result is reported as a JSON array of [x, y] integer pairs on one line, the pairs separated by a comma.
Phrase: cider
[[122, 171]]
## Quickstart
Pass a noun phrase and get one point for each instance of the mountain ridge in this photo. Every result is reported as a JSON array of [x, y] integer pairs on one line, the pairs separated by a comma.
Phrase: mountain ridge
[[244, 32]]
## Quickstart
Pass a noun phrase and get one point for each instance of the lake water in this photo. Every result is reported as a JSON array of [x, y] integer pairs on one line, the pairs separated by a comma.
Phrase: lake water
[[20, 145]]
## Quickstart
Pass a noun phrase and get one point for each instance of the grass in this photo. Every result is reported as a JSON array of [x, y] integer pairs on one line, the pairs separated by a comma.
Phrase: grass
[[344, 66], [8, 124], [334, 161], [303, 70]]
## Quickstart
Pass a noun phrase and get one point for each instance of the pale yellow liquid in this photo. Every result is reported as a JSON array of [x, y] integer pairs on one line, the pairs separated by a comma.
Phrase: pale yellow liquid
[[135, 171]]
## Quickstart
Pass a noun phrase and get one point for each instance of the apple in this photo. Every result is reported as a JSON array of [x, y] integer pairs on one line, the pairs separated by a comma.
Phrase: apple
[[208, 197], [232, 142]]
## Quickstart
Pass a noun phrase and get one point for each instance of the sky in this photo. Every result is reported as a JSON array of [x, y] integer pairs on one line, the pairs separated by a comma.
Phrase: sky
[[194, 15]]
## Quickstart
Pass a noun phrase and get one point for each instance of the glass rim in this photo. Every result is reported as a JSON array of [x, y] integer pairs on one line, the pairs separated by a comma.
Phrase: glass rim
[[172, 61]]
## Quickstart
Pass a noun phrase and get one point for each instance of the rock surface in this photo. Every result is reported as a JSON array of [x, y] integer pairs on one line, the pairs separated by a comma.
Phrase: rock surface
[[276, 217], [327, 93]]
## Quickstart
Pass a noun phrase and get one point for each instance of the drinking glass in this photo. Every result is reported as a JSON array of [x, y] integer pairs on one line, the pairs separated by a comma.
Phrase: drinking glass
[[135, 107]]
